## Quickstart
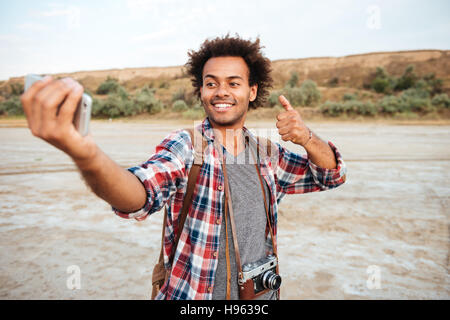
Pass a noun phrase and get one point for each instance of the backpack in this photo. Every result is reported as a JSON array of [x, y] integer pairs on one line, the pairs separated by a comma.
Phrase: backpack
[[160, 274]]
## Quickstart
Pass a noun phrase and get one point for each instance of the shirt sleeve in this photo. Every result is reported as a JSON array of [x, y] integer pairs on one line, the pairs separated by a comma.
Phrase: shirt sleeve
[[297, 174], [163, 174]]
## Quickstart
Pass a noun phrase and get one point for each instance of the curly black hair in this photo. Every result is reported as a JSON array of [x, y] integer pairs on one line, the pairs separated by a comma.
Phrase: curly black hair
[[258, 65]]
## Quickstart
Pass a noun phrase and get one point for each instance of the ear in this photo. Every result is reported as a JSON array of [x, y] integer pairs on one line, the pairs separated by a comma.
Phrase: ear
[[253, 92]]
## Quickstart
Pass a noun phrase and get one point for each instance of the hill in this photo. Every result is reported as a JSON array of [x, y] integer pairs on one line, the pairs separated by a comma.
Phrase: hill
[[347, 71], [334, 76]]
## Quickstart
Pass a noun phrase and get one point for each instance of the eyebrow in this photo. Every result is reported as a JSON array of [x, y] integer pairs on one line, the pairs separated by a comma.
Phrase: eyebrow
[[230, 77]]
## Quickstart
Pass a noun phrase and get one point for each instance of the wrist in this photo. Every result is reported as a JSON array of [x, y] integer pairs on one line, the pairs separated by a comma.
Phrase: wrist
[[89, 161], [310, 136]]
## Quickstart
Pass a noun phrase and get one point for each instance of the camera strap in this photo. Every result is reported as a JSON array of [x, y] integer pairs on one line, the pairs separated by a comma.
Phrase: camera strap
[[258, 169], [229, 210]]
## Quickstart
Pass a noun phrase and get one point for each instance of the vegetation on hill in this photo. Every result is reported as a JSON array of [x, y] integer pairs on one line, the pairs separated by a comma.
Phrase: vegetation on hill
[[409, 92]]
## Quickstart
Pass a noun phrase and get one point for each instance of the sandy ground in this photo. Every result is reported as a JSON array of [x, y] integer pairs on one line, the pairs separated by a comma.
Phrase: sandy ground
[[382, 235]]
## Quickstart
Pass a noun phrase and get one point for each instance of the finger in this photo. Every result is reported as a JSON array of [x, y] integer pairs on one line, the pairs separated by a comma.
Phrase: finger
[[52, 97], [28, 96], [68, 108], [284, 130], [291, 114], [287, 115], [283, 123], [282, 115], [285, 103], [286, 137]]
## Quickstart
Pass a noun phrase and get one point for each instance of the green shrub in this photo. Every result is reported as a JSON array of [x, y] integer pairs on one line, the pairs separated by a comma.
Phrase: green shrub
[[113, 106], [333, 108], [381, 85], [147, 102], [122, 93], [16, 88], [415, 93], [391, 105], [179, 106], [122, 104], [294, 95], [351, 107], [435, 85], [420, 105], [293, 81], [110, 85], [349, 96], [187, 96], [432, 86], [305, 95], [272, 101], [441, 101], [11, 107], [11, 90], [97, 107], [381, 73], [195, 113], [311, 94], [407, 80]]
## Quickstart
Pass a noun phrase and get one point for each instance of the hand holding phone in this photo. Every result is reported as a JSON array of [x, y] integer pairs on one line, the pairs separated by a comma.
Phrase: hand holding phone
[[82, 114], [58, 112]]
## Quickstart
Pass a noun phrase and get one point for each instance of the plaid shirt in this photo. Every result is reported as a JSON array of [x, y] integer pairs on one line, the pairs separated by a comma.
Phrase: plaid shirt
[[164, 176]]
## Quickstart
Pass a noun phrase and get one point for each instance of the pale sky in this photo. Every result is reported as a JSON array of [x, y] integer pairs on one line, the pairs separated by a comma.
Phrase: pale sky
[[67, 36]]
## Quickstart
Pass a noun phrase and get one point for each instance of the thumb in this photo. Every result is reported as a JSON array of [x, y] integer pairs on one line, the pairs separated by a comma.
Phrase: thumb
[[285, 103]]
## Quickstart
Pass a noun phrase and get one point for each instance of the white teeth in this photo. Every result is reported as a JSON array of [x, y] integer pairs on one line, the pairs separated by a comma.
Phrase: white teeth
[[222, 105]]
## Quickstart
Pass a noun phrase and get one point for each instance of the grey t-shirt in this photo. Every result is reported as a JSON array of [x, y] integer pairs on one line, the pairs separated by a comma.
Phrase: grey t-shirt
[[250, 220]]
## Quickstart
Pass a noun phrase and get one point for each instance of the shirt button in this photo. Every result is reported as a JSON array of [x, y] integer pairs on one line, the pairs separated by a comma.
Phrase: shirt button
[[219, 188], [218, 221], [215, 254]]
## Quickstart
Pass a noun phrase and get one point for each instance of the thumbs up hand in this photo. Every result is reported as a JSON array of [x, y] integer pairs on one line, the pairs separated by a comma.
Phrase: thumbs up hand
[[291, 126]]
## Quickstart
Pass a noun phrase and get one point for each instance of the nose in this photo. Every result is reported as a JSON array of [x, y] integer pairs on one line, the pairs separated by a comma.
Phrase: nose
[[221, 92]]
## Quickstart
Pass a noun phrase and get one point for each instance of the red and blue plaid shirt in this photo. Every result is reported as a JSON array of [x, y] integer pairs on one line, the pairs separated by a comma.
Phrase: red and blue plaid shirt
[[164, 176]]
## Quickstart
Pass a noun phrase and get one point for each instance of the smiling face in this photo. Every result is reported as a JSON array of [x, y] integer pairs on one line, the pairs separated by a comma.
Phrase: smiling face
[[226, 92]]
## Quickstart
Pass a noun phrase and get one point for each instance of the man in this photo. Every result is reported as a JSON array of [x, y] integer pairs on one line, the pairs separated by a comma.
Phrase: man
[[230, 75]]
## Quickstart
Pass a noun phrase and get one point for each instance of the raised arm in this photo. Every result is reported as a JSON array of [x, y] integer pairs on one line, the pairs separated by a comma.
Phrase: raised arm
[[322, 169], [49, 106], [292, 128]]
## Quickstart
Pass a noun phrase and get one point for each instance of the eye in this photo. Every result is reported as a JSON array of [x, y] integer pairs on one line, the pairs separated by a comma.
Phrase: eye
[[234, 84], [210, 84]]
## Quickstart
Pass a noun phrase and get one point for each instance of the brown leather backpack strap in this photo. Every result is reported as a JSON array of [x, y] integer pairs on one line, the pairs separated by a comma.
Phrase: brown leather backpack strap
[[161, 256], [192, 181], [227, 256], [160, 274]]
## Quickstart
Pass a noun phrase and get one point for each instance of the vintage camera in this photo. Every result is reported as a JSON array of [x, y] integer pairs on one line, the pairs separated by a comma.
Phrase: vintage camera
[[262, 274]]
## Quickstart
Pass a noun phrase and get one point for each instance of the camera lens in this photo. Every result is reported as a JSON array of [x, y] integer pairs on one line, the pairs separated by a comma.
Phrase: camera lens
[[271, 280]]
